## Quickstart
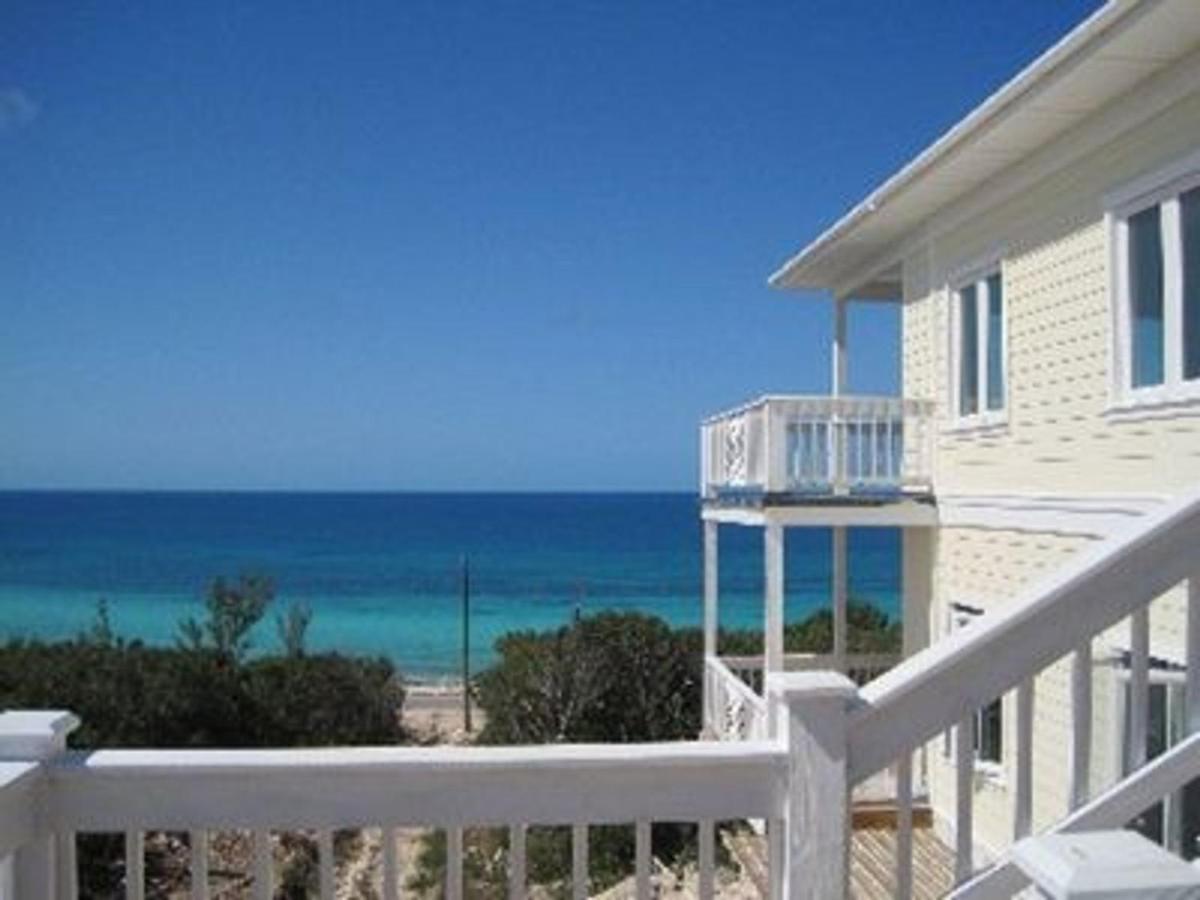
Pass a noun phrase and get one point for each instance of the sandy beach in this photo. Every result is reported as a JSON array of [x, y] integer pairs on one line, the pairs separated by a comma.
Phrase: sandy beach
[[434, 714]]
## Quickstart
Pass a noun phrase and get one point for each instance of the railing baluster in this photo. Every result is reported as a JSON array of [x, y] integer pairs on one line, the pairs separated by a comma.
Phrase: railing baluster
[[325, 863], [68, 868], [1192, 688], [135, 866], [579, 862], [391, 865], [706, 853], [904, 835], [263, 874], [1081, 732], [1139, 685], [1023, 815], [890, 449], [454, 863], [516, 862], [964, 800], [198, 845], [642, 856]]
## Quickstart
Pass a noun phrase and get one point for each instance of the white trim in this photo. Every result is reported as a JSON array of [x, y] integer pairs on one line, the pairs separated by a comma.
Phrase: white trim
[[902, 513], [1162, 188], [1074, 46], [1143, 103], [1087, 515], [1154, 187]]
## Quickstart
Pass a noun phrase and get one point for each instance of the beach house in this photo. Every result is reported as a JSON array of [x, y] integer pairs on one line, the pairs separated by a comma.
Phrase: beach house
[[1044, 255], [1043, 461]]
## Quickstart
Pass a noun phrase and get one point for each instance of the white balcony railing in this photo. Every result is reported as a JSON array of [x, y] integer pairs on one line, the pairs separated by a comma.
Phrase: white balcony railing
[[735, 708], [781, 445], [50, 795]]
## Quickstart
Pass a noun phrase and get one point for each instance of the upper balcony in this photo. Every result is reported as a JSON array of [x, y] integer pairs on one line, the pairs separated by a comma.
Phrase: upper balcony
[[781, 450]]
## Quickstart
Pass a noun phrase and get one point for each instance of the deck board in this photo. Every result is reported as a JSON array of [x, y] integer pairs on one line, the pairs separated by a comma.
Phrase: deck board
[[872, 862]]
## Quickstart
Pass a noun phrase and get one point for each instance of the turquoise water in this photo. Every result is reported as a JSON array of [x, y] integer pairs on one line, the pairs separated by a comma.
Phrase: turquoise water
[[381, 571]]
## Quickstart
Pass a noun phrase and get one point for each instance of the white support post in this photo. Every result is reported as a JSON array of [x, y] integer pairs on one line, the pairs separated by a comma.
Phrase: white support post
[[1139, 686], [711, 572], [1081, 732], [391, 865], [773, 555], [904, 835], [837, 424], [642, 853], [516, 862], [838, 374], [706, 855], [964, 799], [840, 598], [579, 862], [812, 715], [1192, 688], [1023, 813], [198, 841], [37, 736]]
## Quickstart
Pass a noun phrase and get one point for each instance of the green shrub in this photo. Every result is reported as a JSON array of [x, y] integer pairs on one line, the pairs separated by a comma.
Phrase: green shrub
[[202, 693]]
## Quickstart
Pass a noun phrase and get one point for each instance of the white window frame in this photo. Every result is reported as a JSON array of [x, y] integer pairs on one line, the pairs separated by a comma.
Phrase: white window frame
[[1163, 188], [983, 417], [1174, 680]]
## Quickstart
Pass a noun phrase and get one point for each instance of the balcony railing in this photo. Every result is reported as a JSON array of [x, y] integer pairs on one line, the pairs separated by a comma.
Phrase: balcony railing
[[791, 445]]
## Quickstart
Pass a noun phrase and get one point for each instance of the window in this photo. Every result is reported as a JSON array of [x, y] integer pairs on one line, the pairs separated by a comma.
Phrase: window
[[987, 738], [980, 371], [1156, 291], [1175, 821]]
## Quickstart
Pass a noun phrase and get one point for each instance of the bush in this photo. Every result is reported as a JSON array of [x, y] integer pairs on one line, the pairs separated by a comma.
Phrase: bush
[[202, 693]]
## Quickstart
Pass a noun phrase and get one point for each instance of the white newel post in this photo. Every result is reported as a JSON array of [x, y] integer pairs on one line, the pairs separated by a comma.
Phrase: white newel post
[[36, 736], [809, 712]]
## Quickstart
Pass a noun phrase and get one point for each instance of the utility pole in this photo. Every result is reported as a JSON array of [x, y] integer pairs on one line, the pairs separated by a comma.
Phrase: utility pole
[[466, 642]]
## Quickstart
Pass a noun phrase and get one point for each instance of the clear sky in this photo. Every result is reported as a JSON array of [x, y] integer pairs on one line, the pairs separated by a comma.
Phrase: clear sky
[[431, 245]]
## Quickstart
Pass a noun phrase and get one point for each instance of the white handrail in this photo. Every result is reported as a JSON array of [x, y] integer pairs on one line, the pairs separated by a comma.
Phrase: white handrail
[[114, 790], [1124, 801], [942, 685]]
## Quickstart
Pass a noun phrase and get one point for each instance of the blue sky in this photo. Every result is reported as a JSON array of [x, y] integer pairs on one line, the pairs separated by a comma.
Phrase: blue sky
[[443, 245]]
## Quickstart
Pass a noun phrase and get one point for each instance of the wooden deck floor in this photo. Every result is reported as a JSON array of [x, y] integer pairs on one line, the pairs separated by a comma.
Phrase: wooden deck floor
[[872, 863]]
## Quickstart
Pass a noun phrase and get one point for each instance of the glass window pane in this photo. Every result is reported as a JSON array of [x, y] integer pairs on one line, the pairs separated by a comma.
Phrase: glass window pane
[[968, 357], [995, 326], [1146, 297], [1189, 224]]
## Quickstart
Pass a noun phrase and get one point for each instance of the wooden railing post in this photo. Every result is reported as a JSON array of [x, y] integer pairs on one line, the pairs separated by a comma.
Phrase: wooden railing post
[[37, 872], [810, 715]]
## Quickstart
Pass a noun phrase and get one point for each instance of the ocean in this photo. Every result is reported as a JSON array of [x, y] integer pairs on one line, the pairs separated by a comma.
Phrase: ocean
[[381, 570]]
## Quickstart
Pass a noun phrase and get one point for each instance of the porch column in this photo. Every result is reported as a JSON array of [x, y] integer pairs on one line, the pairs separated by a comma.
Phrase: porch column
[[710, 588], [773, 614], [838, 375], [916, 587], [840, 599]]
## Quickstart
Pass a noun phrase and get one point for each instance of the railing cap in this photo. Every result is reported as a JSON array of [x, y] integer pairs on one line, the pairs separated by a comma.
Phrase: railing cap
[[35, 733], [789, 686]]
